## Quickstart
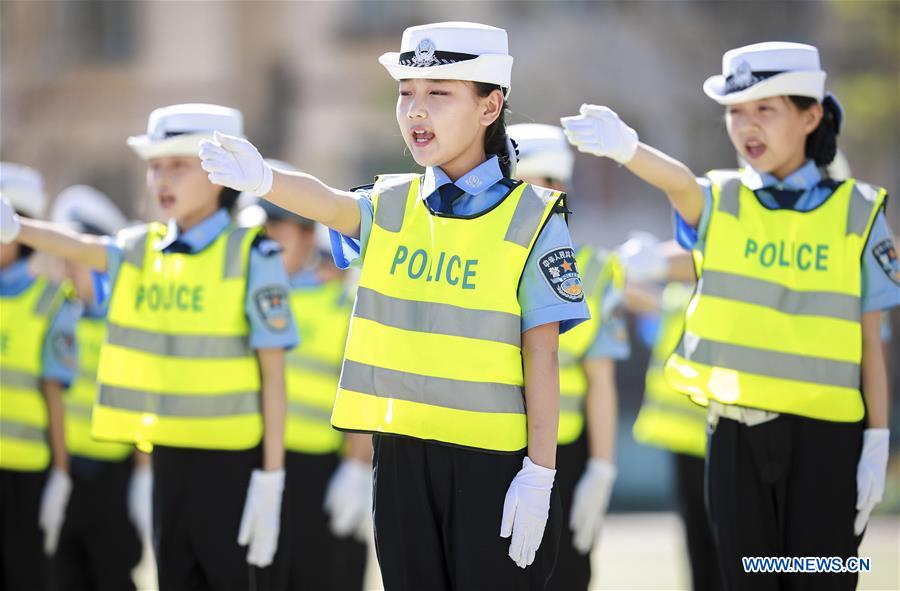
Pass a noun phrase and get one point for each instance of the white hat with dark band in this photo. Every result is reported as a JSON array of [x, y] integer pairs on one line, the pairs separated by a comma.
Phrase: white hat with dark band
[[763, 70], [452, 51], [176, 130]]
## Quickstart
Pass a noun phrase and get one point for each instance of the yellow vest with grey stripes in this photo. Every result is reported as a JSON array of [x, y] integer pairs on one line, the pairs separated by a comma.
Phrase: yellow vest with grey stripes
[[322, 314], [24, 321], [667, 418], [79, 400], [597, 273], [177, 368], [434, 350], [775, 321]]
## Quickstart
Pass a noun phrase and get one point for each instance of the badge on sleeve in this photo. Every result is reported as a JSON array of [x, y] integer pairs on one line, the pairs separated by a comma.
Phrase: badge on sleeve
[[561, 273], [63, 344], [886, 255], [274, 306]]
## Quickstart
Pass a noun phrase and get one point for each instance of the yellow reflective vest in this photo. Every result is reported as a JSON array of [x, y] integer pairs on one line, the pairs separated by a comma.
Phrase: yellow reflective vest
[[434, 350], [667, 418], [177, 368], [598, 272], [24, 321], [322, 314], [775, 321]]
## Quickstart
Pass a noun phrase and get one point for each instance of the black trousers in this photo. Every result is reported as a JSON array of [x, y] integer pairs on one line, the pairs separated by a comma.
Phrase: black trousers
[[783, 488], [317, 560], [437, 519], [573, 570], [23, 564], [198, 500], [98, 545], [705, 574]]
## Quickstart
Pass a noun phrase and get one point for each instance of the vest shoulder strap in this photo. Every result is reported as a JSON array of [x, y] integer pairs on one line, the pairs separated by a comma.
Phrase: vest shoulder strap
[[864, 198], [235, 250], [389, 193], [528, 217], [728, 185], [134, 242]]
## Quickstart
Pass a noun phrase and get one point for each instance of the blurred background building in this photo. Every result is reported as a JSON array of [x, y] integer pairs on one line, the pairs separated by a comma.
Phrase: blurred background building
[[78, 77]]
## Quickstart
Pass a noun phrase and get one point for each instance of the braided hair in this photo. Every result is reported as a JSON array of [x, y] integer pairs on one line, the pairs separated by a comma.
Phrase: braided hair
[[821, 143], [496, 141]]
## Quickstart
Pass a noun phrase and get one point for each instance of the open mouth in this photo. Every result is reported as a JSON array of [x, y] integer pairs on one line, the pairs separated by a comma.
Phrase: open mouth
[[166, 201], [421, 137], [754, 149]]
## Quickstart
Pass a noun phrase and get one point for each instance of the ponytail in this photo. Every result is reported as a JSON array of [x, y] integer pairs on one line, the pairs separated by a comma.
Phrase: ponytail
[[496, 141], [821, 143]]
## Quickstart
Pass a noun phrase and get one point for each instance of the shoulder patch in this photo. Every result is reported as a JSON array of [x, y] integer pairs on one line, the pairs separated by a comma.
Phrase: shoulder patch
[[266, 246], [274, 306], [886, 255], [560, 271]]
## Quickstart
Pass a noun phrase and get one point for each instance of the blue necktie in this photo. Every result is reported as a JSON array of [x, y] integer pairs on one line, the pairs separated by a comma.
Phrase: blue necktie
[[786, 198], [449, 193], [178, 247]]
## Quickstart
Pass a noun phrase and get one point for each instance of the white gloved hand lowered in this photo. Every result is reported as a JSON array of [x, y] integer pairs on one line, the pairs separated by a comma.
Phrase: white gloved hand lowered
[[53, 507], [526, 509], [140, 500], [348, 499], [234, 162], [261, 520], [870, 475], [642, 259], [9, 221], [599, 131], [589, 503]]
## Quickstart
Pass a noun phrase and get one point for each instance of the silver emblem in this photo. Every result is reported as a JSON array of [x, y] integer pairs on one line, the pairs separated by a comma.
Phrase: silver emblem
[[742, 75], [424, 55], [473, 181]]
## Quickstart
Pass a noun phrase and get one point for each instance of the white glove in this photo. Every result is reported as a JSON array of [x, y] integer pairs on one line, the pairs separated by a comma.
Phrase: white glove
[[525, 511], [599, 131], [9, 221], [53, 507], [870, 475], [261, 520], [140, 500], [348, 499], [589, 503], [641, 258], [236, 163]]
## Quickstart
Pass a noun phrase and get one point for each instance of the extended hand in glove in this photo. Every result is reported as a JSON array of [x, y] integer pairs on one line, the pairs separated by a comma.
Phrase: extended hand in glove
[[9, 221], [599, 131], [870, 475], [234, 162], [526, 509], [53, 508], [589, 503], [261, 520], [348, 499]]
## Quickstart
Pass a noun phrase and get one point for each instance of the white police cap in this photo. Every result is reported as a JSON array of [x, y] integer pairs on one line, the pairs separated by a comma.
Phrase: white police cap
[[24, 187], [764, 70], [543, 151], [88, 209], [176, 130]]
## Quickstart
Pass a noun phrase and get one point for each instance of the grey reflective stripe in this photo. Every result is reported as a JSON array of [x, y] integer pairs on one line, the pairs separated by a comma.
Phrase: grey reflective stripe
[[307, 410], [862, 200], [11, 430], [730, 196], [442, 392], [135, 245], [434, 318], [526, 220], [178, 345], [77, 409], [180, 405], [19, 379], [89, 375], [785, 366], [234, 258], [772, 295], [570, 403], [297, 361], [48, 296], [390, 209], [590, 275]]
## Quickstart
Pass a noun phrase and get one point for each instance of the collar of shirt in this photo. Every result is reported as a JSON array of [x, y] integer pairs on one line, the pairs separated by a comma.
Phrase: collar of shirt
[[804, 178], [475, 182], [15, 277], [198, 237]]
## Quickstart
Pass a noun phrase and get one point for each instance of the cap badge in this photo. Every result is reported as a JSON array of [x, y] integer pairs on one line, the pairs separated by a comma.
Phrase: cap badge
[[742, 75], [424, 55]]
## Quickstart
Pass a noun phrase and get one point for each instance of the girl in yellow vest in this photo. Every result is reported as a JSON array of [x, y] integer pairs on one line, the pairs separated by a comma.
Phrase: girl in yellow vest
[[37, 361], [328, 474], [782, 334], [467, 280], [586, 468], [193, 362], [108, 515]]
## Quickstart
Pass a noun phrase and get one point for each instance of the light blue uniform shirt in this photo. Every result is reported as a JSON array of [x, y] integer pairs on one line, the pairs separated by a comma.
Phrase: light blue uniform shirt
[[538, 299], [265, 275], [880, 287], [59, 351]]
